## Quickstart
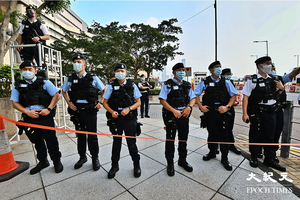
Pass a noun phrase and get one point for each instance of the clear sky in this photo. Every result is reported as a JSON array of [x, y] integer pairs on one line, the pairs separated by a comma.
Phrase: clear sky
[[239, 24]]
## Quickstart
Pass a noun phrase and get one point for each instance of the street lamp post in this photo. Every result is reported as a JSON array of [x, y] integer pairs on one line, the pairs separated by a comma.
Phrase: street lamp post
[[266, 41], [297, 60]]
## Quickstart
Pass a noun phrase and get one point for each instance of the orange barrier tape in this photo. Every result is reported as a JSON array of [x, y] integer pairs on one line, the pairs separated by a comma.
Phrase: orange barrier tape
[[137, 137]]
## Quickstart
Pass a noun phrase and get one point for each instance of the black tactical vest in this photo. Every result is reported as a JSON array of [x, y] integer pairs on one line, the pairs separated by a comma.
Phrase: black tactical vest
[[215, 92], [33, 94], [32, 30], [121, 97], [264, 90], [82, 88], [144, 84], [179, 94]]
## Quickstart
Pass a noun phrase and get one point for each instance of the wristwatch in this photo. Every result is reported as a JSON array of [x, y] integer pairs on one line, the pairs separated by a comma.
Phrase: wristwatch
[[49, 109], [130, 108], [227, 106]]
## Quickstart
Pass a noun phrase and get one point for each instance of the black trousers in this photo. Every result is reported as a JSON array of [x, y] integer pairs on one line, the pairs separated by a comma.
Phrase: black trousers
[[230, 125], [278, 128], [27, 54], [43, 138], [88, 122], [262, 130], [145, 103], [217, 132], [129, 127], [183, 130]]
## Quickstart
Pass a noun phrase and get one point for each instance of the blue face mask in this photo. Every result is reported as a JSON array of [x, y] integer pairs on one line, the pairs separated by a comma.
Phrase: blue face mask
[[273, 73], [120, 75], [28, 75], [227, 77], [180, 75], [30, 14], [217, 71], [77, 67]]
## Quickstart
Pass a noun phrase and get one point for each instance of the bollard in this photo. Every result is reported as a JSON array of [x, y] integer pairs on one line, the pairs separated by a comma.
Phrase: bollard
[[287, 129]]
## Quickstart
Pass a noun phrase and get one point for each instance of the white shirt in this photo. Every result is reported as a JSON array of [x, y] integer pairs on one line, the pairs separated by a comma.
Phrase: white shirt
[[42, 27], [249, 87]]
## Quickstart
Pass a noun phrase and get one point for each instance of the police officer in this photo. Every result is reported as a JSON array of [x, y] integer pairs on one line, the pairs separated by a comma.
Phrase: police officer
[[218, 99], [227, 75], [259, 107], [32, 31], [177, 99], [144, 87], [36, 97], [121, 99], [82, 100]]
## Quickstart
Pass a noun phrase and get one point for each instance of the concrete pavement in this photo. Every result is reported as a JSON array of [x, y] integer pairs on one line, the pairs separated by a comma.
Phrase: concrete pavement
[[209, 180]]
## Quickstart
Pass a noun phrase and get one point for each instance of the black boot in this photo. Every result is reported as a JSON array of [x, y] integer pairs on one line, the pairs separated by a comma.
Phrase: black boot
[[95, 163], [233, 148], [183, 163], [170, 168], [210, 155], [136, 169], [253, 161], [41, 165], [276, 159], [58, 167], [226, 164], [114, 168], [270, 162], [80, 162], [260, 155]]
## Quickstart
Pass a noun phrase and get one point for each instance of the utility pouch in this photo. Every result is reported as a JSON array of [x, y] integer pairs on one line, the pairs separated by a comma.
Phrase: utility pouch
[[203, 123], [138, 128]]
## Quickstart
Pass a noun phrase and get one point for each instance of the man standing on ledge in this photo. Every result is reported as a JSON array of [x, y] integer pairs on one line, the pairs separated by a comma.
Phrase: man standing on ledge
[[259, 106], [144, 87], [32, 31], [177, 99]]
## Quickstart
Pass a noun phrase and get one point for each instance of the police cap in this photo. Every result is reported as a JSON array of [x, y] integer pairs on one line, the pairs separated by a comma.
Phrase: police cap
[[177, 66], [142, 75], [120, 66], [263, 59], [31, 7], [79, 57], [225, 71], [214, 64], [27, 63]]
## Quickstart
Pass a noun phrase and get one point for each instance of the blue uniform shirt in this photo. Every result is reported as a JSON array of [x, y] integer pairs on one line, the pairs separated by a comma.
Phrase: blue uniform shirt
[[299, 97], [165, 91], [109, 90], [48, 86], [286, 78], [97, 83], [231, 90]]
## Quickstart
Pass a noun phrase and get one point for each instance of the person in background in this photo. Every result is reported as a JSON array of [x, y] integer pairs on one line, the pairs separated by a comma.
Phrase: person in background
[[144, 87], [226, 73]]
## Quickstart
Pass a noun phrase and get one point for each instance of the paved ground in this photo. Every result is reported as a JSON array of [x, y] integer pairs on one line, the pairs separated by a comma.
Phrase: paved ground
[[209, 180]]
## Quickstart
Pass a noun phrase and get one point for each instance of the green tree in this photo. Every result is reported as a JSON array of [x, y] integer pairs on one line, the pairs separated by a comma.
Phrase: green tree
[[13, 16]]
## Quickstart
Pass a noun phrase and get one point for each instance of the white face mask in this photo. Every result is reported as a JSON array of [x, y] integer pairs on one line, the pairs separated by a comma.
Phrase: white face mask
[[143, 79], [77, 67], [266, 68]]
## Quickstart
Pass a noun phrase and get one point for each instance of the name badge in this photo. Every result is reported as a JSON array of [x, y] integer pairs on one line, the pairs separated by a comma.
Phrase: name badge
[[75, 81], [211, 84], [175, 87], [23, 85], [116, 87], [262, 85], [254, 80], [26, 26]]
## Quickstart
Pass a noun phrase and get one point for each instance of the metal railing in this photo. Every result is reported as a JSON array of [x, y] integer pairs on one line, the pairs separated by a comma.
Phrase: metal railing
[[54, 68]]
